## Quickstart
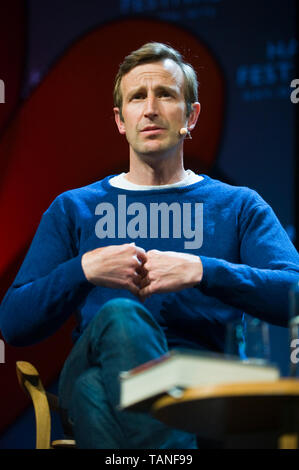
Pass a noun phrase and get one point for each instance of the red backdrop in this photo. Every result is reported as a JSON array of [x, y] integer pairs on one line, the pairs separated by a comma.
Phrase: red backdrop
[[63, 137]]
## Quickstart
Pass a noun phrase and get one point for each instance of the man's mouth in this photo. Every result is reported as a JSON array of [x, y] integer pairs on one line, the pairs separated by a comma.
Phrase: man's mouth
[[152, 129]]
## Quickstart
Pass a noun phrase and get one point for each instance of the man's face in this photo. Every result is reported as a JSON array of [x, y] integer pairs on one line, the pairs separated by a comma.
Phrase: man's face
[[154, 108]]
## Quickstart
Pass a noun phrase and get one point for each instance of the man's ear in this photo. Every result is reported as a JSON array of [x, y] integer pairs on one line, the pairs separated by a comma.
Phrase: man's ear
[[119, 122], [192, 118]]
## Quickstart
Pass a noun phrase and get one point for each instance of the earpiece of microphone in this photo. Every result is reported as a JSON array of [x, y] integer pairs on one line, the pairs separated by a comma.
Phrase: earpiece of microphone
[[185, 131]]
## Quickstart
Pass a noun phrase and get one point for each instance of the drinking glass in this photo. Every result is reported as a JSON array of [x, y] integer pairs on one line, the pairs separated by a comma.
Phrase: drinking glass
[[248, 339]]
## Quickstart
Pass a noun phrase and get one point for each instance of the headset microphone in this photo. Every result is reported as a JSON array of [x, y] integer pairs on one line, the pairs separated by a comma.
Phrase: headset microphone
[[185, 131]]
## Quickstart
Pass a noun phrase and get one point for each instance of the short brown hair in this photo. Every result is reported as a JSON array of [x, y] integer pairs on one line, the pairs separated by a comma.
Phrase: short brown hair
[[155, 52]]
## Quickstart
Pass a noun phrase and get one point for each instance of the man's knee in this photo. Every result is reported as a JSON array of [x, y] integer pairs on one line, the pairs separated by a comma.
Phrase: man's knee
[[122, 311], [119, 307], [123, 320]]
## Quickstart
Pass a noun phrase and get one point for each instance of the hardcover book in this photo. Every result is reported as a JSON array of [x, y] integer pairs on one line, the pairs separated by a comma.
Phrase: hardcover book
[[181, 369]]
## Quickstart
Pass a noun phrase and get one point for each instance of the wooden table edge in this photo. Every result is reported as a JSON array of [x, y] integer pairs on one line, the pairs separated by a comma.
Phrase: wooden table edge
[[285, 387]]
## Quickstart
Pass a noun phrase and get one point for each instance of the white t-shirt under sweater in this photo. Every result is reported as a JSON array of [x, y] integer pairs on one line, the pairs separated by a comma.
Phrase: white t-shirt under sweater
[[121, 182]]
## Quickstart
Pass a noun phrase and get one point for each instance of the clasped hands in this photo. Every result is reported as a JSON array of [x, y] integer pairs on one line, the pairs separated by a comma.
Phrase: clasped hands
[[143, 273]]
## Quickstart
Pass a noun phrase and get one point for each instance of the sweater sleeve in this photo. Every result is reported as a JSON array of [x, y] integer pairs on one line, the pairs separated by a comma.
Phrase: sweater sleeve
[[269, 265], [49, 286]]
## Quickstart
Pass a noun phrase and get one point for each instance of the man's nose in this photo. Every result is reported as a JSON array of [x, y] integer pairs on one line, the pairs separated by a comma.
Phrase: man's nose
[[151, 107]]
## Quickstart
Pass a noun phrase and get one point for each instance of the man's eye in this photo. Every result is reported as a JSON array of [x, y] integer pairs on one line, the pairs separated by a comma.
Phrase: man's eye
[[165, 94], [139, 96]]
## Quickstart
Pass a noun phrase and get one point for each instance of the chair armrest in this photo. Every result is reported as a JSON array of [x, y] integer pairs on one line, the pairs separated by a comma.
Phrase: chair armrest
[[31, 383]]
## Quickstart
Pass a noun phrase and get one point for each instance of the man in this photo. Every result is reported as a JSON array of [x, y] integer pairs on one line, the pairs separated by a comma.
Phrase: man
[[150, 260]]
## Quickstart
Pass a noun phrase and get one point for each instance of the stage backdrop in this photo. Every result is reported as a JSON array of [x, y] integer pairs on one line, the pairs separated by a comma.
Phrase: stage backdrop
[[57, 128]]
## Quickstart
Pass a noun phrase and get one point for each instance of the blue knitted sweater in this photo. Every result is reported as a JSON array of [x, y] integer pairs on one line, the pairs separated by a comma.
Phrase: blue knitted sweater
[[249, 263]]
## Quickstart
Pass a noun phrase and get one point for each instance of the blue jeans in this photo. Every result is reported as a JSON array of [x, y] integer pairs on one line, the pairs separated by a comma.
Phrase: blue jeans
[[121, 336]]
